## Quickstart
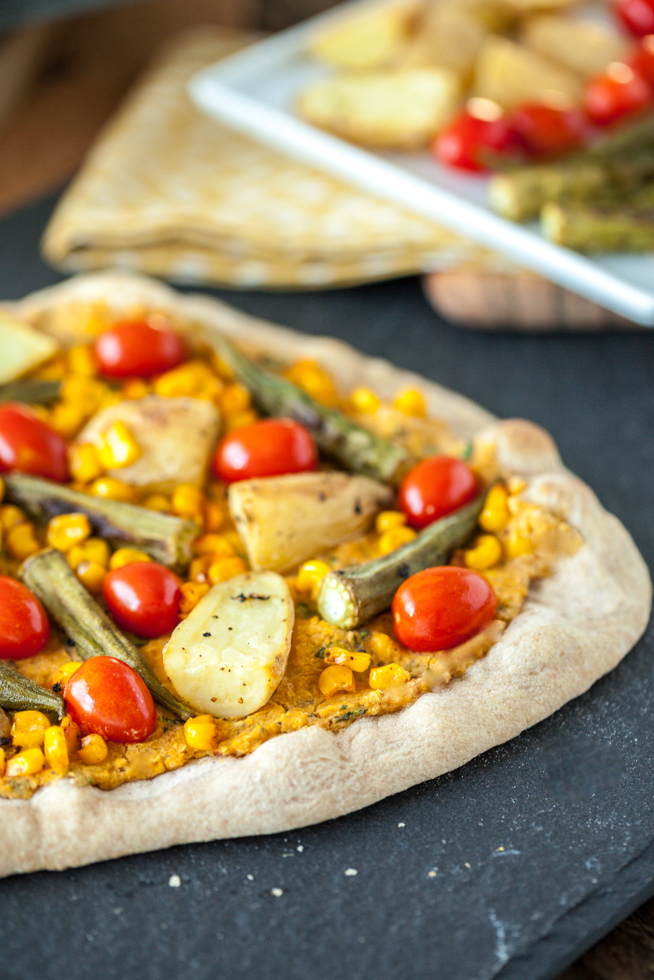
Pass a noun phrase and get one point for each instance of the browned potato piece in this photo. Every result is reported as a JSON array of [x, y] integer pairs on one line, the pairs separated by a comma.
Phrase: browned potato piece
[[397, 109], [511, 74], [373, 39], [530, 6], [584, 46], [450, 39], [284, 520]]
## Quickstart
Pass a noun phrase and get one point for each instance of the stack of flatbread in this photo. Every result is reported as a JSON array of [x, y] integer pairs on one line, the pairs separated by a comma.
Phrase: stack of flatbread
[[169, 192]]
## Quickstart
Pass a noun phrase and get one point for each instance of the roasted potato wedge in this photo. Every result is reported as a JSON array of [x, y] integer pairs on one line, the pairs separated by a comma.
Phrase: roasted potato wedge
[[584, 46], [175, 436], [511, 74], [397, 109], [283, 520], [21, 348], [449, 37], [228, 656], [374, 39]]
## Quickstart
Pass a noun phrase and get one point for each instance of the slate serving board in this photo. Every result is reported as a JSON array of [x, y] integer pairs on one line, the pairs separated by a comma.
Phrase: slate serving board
[[507, 868]]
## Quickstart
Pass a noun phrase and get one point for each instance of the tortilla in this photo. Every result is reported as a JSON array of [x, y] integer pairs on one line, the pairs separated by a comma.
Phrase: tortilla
[[575, 627]]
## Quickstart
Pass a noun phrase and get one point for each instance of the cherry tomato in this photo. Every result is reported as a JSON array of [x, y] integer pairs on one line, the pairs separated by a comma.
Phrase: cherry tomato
[[547, 130], [617, 93], [439, 608], [271, 447], [435, 488], [138, 350], [29, 445], [107, 697], [143, 597], [24, 626], [636, 15], [480, 129], [642, 61]]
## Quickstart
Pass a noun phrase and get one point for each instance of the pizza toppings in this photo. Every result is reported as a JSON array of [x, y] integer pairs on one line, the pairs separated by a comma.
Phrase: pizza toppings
[[435, 488], [138, 349], [439, 608], [229, 655], [349, 597], [107, 697], [31, 445], [24, 627], [143, 597], [272, 447]]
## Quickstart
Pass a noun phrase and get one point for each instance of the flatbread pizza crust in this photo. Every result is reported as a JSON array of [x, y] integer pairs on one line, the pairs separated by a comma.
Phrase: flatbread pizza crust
[[575, 626]]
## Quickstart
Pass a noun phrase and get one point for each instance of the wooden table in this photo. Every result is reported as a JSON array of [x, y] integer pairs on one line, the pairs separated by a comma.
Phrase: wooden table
[[86, 66]]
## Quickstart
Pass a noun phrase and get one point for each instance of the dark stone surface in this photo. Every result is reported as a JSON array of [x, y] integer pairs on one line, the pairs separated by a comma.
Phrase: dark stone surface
[[509, 867]]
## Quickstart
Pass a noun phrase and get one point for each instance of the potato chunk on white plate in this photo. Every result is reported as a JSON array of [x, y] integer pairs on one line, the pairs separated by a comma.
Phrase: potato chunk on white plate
[[21, 348], [175, 437], [372, 39], [228, 656]]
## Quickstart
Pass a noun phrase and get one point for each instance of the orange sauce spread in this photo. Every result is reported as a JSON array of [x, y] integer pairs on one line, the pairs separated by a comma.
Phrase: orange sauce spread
[[297, 702]]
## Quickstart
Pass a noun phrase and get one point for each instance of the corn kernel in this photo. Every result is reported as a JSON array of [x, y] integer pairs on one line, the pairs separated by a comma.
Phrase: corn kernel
[[2, 489], [389, 519], [356, 661], [516, 485], [21, 541], [234, 399], [240, 421], [71, 733], [225, 568], [201, 733], [66, 419], [10, 516], [26, 763], [213, 544], [390, 675], [91, 574], [28, 728], [336, 678], [55, 749], [516, 545], [365, 401], [53, 370], [118, 447], [63, 674], [221, 367], [310, 576], [127, 556], [192, 592], [485, 553], [82, 360], [67, 530], [394, 539], [93, 750], [199, 567], [411, 402], [312, 378], [183, 381], [93, 549], [2, 762], [187, 500], [213, 517], [135, 388], [84, 462], [382, 646], [210, 390], [85, 394], [233, 538], [110, 489], [158, 502], [495, 515]]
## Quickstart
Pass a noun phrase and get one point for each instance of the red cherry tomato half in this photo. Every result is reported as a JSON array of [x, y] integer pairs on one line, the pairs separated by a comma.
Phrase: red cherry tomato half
[[138, 350], [24, 626], [143, 597], [436, 487], [439, 608], [271, 447], [642, 61], [548, 131], [29, 445], [636, 15], [107, 697], [479, 130], [617, 93]]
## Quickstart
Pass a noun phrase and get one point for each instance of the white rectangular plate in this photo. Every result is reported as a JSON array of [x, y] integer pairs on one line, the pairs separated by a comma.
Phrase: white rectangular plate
[[254, 92]]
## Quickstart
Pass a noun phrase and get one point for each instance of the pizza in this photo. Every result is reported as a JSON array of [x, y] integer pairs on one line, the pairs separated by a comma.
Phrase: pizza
[[252, 580]]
